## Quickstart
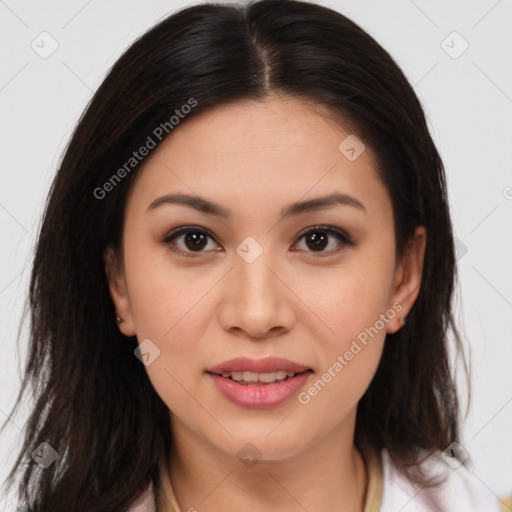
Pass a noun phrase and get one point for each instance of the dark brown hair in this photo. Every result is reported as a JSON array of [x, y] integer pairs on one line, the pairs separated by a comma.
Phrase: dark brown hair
[[94, 403]]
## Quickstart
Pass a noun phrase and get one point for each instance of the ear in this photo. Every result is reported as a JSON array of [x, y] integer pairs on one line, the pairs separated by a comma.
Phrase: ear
[[118, 290], [407, 281]]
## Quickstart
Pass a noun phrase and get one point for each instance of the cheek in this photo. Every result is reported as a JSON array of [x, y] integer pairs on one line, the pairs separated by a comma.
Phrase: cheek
[[334, 391], [351, 348], [352, 304], [177, 373], [163, 295], [168, 307], [354, 314], [347, 301]]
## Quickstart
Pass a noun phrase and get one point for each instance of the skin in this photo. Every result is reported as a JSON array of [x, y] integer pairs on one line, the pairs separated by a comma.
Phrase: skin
[[255, 158]]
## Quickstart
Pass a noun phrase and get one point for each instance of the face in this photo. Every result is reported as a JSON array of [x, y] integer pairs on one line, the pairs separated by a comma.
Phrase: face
[[320, 287]]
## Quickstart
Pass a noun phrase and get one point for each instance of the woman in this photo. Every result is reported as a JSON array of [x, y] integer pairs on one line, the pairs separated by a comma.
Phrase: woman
[[241, 293]]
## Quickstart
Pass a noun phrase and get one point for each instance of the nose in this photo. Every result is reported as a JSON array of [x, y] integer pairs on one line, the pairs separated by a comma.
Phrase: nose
[[256, 299]]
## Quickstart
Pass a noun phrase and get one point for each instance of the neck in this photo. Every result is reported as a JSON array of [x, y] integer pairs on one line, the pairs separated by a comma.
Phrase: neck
[[329, 475]]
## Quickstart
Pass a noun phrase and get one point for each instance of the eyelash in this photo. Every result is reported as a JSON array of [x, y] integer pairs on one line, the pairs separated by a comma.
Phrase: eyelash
[[342, 237]]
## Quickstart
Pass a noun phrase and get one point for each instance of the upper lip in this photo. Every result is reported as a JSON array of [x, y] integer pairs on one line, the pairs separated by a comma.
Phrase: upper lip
[[265, 365]]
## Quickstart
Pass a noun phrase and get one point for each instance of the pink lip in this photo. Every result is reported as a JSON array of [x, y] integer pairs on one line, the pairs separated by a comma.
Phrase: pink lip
[[259, 396], [265, 365]]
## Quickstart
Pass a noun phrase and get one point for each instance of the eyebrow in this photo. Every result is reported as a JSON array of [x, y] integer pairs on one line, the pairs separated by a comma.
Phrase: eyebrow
[[205, 206]]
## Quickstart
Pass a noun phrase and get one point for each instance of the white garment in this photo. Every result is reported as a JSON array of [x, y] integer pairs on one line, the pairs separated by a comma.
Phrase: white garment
[[462, 491]]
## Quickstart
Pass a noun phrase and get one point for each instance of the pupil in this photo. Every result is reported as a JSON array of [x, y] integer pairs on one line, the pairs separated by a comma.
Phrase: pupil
[[197, 240], [318, 241]]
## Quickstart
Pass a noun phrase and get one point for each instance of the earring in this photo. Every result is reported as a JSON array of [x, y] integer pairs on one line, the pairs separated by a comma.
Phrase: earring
[[119, 320]]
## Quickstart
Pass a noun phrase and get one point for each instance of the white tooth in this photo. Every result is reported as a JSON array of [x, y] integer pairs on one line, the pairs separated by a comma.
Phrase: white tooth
[[247, 376], [267, 377]]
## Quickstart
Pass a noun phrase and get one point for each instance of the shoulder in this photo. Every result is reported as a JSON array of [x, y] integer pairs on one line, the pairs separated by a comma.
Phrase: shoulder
[[460, 489]]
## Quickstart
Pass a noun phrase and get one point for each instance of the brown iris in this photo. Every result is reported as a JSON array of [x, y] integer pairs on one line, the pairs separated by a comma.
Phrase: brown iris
[[195, 241], [318, 239]]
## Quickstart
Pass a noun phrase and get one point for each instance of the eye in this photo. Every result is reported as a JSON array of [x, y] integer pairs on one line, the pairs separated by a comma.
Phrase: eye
[[317, 239], [195, 240]]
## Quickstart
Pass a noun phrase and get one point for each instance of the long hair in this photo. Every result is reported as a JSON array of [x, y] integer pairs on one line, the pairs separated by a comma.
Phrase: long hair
[[93, 401]]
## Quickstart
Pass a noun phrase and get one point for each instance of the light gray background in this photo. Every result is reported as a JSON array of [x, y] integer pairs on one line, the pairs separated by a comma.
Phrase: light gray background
[[468, 101]]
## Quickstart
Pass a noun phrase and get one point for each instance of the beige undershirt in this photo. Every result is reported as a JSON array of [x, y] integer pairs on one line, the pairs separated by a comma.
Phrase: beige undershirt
[[373, 493]]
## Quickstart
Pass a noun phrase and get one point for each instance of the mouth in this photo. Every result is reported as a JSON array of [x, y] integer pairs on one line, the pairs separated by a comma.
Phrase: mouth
[[245, 378], [259, 383], [254, 390]]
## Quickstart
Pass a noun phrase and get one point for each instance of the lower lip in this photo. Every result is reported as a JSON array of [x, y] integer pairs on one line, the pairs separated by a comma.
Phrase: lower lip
[[258, 396]]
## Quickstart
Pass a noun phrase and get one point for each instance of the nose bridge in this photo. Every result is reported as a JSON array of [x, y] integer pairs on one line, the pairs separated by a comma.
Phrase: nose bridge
[[256, 300], [252, 275]]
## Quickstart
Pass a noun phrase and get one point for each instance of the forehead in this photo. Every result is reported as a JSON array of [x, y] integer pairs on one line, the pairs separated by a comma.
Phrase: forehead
[[277, 127], [273, 152]]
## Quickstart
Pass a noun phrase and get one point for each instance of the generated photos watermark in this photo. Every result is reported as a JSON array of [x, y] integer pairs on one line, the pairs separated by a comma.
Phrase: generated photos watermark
[[344, 359], [157, 135]]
